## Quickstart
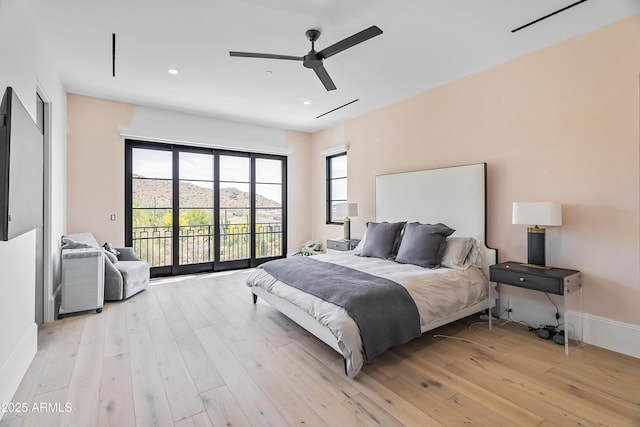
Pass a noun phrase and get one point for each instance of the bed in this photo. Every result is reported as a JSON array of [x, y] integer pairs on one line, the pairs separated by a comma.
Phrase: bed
[[409, 294]]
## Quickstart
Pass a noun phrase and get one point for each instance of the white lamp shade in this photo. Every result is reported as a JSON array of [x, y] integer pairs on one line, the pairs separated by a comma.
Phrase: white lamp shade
[[346, 209], [537, 213]]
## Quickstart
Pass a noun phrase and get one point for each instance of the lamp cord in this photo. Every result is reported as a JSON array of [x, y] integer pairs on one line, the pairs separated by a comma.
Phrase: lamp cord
[[477, 344]]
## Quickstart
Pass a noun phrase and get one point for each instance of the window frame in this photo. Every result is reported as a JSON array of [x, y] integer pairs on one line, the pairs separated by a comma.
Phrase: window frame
[[216, 264], [329, 179]]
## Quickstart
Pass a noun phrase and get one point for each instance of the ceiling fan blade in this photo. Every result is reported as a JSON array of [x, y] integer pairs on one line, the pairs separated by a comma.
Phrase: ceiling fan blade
[[321, 72], [265, 55], [351, 41]]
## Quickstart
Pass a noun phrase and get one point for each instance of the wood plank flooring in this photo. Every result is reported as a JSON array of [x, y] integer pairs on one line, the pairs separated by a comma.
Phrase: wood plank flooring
[[195, 351]]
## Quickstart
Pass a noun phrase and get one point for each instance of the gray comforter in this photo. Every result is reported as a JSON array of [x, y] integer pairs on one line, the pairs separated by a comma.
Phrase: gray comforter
[[383, 310]]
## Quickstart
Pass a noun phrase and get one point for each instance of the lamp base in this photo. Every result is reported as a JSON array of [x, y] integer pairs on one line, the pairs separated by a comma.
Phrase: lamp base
[[536, 246], [541, 267], [347, 229]]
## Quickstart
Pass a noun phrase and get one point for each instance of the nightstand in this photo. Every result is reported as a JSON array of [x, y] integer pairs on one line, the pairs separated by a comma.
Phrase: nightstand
[[559, 281], [341, 244]]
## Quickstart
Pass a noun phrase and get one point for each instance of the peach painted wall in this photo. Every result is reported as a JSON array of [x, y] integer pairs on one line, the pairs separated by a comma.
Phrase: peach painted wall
[[95, 166], [559, 124], [298, 190], [95, 172]]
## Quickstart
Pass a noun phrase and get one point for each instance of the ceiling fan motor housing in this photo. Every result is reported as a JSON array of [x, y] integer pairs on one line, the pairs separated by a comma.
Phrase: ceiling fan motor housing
[[311, 60]]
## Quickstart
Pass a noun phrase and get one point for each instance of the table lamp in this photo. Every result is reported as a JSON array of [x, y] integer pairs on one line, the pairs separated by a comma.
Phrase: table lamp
[[536, 214], [347, 210]]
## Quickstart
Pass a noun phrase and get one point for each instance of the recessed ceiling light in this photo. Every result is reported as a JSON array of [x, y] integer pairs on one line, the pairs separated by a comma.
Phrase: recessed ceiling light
[[307, 102], [173, 71]]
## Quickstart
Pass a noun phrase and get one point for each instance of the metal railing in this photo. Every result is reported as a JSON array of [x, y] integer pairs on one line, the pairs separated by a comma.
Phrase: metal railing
[[196, 243], [268, 240], [153, 244]]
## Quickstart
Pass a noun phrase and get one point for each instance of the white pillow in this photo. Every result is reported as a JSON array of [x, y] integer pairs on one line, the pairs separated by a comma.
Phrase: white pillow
[[360, 245], [460, 253]]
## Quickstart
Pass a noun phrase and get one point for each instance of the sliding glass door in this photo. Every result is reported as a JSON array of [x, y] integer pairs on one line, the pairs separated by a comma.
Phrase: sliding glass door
[[269, 212], [150, 212], [195, 225], [194, 209], [235, 208]]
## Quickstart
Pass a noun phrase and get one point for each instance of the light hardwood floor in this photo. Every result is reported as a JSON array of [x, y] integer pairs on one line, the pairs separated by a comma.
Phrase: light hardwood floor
[[197, 352]]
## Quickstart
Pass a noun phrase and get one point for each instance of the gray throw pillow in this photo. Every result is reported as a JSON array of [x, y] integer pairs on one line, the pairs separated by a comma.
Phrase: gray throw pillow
[[110, 249], [423, 244], [381, 239]]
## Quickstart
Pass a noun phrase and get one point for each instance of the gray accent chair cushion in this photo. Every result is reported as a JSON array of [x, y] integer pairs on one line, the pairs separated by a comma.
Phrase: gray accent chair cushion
[[124, 276]]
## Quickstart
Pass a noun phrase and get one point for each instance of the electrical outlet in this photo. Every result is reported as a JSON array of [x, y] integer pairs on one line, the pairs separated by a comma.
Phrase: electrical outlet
[[113, 217]]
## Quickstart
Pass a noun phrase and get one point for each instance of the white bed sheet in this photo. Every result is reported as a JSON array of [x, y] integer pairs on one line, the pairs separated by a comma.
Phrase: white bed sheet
[[436, 292]]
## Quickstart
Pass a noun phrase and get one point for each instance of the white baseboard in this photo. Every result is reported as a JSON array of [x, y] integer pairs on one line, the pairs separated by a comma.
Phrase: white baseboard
[[599, 331], [612, 335], [14, 369]]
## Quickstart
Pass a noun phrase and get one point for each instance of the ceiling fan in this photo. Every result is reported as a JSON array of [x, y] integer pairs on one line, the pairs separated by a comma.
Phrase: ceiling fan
[[314, 59]]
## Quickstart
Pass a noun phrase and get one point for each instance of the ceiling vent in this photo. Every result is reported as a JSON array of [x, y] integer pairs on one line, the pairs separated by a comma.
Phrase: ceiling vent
[[113, 54], [548, 16], [337, 108]]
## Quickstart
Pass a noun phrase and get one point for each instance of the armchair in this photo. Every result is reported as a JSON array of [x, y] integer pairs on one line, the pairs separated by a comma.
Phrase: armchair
[[124, 276]]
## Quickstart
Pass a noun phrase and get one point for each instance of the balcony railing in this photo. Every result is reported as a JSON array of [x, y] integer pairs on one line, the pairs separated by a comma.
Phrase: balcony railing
[[153, 244], [196, 243]]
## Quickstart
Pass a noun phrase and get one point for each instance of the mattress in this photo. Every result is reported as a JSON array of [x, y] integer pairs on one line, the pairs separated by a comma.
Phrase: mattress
[[436, 292]]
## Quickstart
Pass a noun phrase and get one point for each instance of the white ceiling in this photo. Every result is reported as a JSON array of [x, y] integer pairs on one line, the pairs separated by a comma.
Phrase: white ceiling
[[425, 43]]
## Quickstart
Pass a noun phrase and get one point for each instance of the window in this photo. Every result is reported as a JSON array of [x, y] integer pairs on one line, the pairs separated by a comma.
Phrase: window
[[194, 209], [336, 185]]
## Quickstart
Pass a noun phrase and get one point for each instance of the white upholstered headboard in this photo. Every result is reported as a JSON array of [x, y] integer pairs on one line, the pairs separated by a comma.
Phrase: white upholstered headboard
[[455, 196]]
